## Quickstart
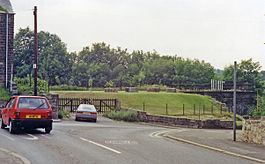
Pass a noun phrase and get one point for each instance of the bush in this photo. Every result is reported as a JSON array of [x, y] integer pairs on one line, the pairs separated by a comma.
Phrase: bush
[[25, 85], [129, 116], [67, 88], [4, 94], [63, 114]]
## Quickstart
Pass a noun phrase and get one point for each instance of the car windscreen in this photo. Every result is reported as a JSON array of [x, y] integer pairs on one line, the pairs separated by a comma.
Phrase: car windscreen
[[32, 103], [87, 109]]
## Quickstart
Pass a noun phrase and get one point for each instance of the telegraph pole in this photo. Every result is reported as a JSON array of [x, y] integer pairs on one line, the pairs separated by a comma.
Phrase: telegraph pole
[[234, 103], [36, 52]]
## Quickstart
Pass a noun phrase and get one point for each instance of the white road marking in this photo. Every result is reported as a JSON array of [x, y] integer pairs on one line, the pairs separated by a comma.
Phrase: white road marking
[[121, 142], [10, 138], [32, 137], [45, 136], [102, 146], [159, 134], [23, 159]]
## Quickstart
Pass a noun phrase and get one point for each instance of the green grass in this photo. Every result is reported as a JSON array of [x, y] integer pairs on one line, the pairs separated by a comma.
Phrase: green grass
[[155, 103], [4, 95]]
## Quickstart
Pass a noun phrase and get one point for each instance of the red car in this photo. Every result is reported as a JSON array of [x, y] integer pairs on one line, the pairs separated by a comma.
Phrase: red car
[[27, 112]]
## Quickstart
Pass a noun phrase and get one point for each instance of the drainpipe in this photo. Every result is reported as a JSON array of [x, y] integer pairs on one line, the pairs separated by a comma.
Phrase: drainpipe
[[7, 49]]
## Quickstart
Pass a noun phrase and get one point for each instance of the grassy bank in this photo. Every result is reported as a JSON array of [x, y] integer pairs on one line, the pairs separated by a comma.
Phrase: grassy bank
[[161, 103]]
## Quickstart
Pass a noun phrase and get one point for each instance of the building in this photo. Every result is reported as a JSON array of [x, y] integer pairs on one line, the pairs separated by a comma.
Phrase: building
[[6, 43]]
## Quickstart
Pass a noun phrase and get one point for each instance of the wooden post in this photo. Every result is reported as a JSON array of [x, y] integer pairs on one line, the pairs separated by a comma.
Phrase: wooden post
[[183, 109], [71, 105], [212, 108], [166, 109]]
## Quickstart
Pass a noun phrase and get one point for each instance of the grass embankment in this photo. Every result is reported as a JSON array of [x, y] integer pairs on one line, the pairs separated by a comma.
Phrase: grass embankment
[[161, 103]]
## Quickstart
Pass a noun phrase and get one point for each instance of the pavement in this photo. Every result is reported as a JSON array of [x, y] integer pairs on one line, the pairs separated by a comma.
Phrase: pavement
[[220, 141]]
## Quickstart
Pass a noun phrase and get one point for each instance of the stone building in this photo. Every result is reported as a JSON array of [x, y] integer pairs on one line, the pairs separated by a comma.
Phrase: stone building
[[6, 43]]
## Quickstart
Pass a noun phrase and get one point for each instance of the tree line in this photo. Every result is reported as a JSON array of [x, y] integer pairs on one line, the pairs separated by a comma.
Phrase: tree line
[[100, 65]]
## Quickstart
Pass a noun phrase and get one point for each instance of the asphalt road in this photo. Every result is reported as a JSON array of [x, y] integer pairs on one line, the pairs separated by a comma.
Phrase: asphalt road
[[108, 142]]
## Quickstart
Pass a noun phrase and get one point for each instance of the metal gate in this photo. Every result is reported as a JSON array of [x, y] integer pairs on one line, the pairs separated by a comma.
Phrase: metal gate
[[102, 105]]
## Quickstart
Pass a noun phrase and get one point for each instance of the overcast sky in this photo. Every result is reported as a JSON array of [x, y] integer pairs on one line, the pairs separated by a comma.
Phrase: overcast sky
[[217, 31]]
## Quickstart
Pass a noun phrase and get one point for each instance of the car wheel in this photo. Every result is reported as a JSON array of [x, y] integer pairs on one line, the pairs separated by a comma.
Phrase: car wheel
[[76, 119], [3, 126], [48, 129], [12, 128], [95, 120]]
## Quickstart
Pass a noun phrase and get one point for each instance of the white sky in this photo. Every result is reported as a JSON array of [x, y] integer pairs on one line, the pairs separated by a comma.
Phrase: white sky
[[217, 31]]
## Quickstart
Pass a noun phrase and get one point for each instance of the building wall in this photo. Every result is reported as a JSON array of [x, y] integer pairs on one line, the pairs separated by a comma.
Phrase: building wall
[[3, 47]]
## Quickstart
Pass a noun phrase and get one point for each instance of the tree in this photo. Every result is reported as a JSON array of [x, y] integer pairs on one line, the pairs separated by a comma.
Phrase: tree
[[248, 71], [54, 61]]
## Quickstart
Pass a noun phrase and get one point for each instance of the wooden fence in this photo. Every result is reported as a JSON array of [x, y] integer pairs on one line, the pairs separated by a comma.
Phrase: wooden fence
[[102, 105]]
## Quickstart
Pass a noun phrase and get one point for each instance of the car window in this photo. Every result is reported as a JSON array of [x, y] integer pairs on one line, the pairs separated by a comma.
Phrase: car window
[[10, 103], [32, 103], [87, 108]]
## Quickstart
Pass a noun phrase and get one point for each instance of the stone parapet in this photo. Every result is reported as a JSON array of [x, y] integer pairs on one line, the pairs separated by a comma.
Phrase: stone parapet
[[184, 122], [254, 131]]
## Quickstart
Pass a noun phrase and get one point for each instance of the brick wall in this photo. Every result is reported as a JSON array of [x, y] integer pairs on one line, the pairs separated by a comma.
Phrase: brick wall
[[3, 46]]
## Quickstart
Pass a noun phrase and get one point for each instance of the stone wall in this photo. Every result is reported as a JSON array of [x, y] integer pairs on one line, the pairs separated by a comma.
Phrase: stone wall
[[184, 122], [246, 100], [3, 46], [54, 101], [254, 131]]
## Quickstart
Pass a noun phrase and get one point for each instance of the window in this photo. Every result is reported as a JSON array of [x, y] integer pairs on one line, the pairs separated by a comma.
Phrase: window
[[10, 103], [32, 103]]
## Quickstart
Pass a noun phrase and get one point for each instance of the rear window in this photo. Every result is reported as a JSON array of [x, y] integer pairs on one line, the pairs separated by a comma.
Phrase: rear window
[[32, 103]]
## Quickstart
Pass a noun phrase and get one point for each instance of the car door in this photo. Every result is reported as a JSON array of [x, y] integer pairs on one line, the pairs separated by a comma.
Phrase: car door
[[6, 110]]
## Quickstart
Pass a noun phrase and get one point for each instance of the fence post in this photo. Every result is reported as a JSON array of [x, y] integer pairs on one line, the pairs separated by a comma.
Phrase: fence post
[[221, 109], [144, 106], [166, 110], [199, 112], [100, 105], [212, 108], [183, 109], [203, 109], [194, 108], [115, 104], [71, 105]]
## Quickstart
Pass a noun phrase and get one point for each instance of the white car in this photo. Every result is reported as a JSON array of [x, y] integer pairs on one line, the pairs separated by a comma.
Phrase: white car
[[86, 112]]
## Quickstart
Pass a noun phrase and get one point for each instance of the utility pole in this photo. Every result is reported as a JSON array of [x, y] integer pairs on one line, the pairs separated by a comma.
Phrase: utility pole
[[234, 103], [36, 52]]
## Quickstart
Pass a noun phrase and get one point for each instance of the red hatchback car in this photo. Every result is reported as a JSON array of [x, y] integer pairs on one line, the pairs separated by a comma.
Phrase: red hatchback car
[[27, 112]]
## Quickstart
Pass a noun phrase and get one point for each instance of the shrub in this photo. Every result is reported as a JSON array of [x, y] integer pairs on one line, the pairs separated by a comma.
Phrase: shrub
[[129, 116], [63, 114], [67, 88], [25, 85], [111, 89], [4, 94], [153, 89]]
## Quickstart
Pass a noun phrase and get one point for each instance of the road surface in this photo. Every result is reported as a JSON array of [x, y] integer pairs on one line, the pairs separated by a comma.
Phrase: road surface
[[108, 142]]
